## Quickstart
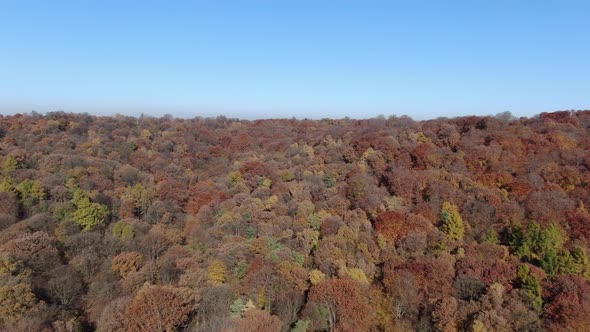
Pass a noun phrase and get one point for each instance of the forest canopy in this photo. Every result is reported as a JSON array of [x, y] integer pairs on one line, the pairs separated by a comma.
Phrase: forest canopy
[[217, 224]]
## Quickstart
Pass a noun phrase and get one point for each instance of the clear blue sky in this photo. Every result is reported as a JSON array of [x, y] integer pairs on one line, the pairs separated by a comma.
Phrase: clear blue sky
[[253, 59]]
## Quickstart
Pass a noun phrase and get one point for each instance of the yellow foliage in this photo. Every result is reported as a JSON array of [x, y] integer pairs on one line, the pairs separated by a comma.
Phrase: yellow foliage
[[146, 134], [323, 214], [369, 152], [309, 151], [249, 305], [478, 326], [307, 174], [261, 298], [452, 222], [16, 301], [271, 202], [228, 217], [217, 272], [287, 176], [347, 233], [421, 138], [316, 276], [564, 141], [381, 242], [7, 265], [293, 274], [266, 183], [235, 177], [357, 275]]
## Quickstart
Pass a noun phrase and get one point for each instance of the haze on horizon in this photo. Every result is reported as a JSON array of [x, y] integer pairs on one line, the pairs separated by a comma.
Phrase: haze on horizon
[[263, 59]]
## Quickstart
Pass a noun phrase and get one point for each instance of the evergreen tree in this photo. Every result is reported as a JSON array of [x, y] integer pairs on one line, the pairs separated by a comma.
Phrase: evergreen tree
[[531, 285]]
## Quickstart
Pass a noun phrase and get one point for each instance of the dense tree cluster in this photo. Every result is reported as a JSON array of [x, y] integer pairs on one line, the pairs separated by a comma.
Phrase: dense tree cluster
[[386, 224]]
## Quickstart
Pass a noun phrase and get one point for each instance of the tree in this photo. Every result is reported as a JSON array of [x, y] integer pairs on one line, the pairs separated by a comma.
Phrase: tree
[[451, 222], [217, 272], [65, 286], [126, 262], [531, 285], [123, 230], [256, 320], [443, 314], [16, 301], [137, 199], [159, 308], [316, 276], [87, 214], [340, 302]]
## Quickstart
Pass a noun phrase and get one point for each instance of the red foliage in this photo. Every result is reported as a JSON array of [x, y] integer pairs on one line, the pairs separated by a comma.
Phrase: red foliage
[[159, 308], [579, 223], [203, 193], [568, 306], [256, 320], [346, 303]]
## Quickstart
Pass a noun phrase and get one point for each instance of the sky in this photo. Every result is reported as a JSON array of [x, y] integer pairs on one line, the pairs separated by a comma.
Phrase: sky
[[313, 59]]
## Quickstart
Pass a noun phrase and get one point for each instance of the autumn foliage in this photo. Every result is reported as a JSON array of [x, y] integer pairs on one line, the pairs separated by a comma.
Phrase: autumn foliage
[[217, 224]]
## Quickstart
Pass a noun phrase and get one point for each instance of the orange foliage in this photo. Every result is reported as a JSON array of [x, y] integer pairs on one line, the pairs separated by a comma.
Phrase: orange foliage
[[159, 308]]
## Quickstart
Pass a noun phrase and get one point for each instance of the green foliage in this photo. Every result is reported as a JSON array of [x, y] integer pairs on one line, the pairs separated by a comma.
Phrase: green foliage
[[10, 163], [123, 230], [7, 185], [491, 237], [274, 257], [301, 326], [88, 214], [140, 197], [273, 244], [246, 216], [452, 222], [530, 283], [544, 248], [31, 189], [314, 221], [236, 309], [299, 258], [329, 181], [63, 211], [251, 233], [242, 269], [581, 265]]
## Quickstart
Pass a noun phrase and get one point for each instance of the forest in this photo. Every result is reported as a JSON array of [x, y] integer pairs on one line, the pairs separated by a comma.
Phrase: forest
[[119, 223]]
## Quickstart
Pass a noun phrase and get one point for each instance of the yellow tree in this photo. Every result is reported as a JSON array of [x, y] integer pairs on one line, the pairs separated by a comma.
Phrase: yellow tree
[[452, 222], [217, 272]]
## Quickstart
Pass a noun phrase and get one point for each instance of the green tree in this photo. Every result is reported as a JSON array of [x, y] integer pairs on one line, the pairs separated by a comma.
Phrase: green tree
[[530, 283], [7, 185], [123, 230], [10, 163], [87, 213], [491, 237], [139, 198], [581, 263], [237, 308], [544, 248], [31, 189], [301, 326], [452, 222]]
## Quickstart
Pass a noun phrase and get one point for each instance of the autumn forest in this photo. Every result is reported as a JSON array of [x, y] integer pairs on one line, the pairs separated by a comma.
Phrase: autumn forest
[[217, 224]]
